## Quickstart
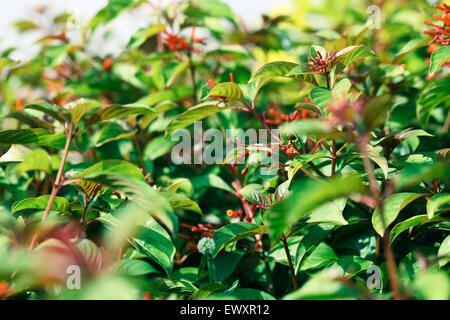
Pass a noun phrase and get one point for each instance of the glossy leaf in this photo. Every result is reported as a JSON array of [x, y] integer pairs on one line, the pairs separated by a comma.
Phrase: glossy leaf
[[391, 209], [40, 203], [438, 58]]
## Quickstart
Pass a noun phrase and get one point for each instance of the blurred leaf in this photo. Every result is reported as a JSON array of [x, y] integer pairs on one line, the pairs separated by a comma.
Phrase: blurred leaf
[[433, 96], [143, 34], [444, 252], [118, 111], [37, 159], [313, 194], [16, 153], [136, 267]]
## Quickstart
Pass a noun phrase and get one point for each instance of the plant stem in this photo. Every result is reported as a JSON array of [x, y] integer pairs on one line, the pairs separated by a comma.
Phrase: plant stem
[[333, 158], [58, 182], [388, 252], [192, 71], [289, 259]]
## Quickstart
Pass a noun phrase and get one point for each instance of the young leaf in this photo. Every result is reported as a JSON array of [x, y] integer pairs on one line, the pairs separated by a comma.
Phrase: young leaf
[[376, 157], [391, 209], [438, 58], [273, 69], [435, 202], [38, 159], [118, 111], [227, 90], [191, 115]]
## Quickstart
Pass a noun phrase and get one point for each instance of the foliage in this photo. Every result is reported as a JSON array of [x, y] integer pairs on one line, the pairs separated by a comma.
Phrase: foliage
[[87, 176]]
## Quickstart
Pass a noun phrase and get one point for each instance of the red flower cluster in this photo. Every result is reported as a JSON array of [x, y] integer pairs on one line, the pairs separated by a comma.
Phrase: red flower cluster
[[320, 64], [281, 117], [206, 230], [177, 43], [441, 34]]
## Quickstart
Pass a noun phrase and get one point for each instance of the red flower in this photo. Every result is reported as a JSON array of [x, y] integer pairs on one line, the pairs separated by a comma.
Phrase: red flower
[[320, 64], [441, 32]]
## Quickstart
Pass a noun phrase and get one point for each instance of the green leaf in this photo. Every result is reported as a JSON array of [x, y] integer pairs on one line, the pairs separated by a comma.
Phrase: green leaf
[[33, 136], [308, 127], [349, 55], [300, 161], [37, 159], [323, 286], [432, 285], [349, 266], [80, 107], [91, 253], [433, 96], [227, 90], [391, 209], [244, 294], [409, 223], [143, 232], [310, 107], [408, 48], [127, 178], [157, 147], [303, 72], [180, 201], [321, 97], [40, 203], [211, 180], [143, 34], [320, 256], [273, 69], [312, 194], [113, 132], [329, 212], [376, 157], [16, 153], [7, 62], [119, 111], [435, 202], [108, 13], [53, 111], [191, 115], [136, 267], [234, 232], [444, 252], [414, 174], [313, 235], [154, 242], [438, 58]]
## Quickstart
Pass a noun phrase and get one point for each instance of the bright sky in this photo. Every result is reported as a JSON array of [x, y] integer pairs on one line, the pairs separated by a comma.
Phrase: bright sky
[[125, 26]]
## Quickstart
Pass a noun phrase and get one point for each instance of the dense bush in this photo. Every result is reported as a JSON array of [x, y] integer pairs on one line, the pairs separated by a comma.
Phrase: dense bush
[[352, 183]]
